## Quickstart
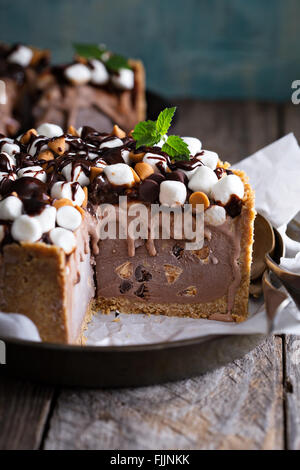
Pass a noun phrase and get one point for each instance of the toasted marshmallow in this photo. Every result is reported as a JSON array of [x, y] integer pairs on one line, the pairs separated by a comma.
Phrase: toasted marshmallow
[[124, 79], [125, 156], [77, 175], [10, 208], [26, 229], [99, 73], [10, 176], [62, 189], [79, 74], [2, 233], [172, 193], [22, 56], [46, 218], [209, 158], [119, 174], [203, 180], [226, 187], [68, 217], [49, 130], [63, 238], [193, 144], [10, 149], [215, 215], [33, 172], [152, 159], [115, 142]]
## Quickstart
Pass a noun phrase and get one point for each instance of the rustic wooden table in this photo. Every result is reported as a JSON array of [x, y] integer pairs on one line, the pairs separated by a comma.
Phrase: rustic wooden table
[[252, 403]]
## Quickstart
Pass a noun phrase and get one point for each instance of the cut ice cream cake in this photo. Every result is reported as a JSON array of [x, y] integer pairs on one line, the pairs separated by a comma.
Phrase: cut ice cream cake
[[57, 268]]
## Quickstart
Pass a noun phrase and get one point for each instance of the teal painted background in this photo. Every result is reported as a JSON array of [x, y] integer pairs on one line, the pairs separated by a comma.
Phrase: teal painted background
[[196, 48]]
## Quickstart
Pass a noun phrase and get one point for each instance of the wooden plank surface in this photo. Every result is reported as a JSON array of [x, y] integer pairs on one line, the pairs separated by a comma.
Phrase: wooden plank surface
[[24, 409], [234, 407]]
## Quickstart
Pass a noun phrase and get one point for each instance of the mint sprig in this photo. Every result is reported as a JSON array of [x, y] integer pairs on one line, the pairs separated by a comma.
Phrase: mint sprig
[[164, 120], [176, 147], [114, 63], [89, 51], [117, 62], [149, 133]]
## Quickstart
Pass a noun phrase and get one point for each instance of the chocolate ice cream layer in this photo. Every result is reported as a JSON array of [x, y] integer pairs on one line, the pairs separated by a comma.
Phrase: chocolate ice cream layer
[[174, 274]]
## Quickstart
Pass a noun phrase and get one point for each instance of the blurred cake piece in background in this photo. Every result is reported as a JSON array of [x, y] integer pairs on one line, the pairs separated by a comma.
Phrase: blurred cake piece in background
[[97, 89], [19, 67]]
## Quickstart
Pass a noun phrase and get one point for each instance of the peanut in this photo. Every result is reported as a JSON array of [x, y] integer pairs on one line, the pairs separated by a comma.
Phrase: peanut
[[199, 198], [144, 170]]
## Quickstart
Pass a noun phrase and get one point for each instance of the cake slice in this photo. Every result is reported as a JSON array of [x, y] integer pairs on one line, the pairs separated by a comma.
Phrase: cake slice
[[57, 264], [98, 89], [19, 67]]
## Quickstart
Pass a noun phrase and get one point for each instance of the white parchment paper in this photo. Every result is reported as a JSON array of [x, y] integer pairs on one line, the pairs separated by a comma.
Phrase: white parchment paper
[[274, 173]]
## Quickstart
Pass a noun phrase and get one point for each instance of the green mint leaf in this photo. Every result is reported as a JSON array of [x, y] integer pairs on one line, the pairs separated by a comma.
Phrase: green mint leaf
[[117, 62], [175, 147], [145, 133], [164, 120], [89, 51]]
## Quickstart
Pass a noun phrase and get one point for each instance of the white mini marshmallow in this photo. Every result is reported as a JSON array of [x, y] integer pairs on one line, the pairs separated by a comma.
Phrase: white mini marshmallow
[[209, 158], [63, 238], [190, 173], [10, 208], [119, 174], [101, 164], [215, 215], [10, 149], [116, 142], [2, 233], [226, 187], [46, 218], [78, 74], [172, 193], [8, 140], [203, 180], [11, 159], [77, 175], [125, 156], [34, 172], [193, 144], [22, 56], [10, 176], [49, 130], [36, 144], [162, 141], [99, 73], [124, 79], [26, 229], [79, 130], [62, 189], [68, 217], [152, 159]]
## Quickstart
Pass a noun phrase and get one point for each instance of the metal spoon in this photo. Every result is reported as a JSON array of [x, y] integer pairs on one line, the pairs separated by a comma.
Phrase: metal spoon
[[291, 281], [264, 242]]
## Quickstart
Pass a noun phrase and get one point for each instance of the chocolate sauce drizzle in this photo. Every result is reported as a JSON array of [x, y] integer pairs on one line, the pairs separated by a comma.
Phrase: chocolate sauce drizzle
[[84, 152]]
